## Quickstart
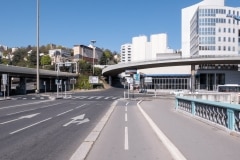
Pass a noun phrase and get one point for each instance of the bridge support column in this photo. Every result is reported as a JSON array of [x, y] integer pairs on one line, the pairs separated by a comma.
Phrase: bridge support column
[[21, 88], [110, 80], [192, 89]]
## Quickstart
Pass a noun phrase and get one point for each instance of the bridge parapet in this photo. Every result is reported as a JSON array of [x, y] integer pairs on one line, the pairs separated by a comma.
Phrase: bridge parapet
[[223, 114]]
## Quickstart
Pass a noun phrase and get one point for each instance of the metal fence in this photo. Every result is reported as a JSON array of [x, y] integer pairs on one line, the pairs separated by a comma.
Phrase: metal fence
[[223, 114]]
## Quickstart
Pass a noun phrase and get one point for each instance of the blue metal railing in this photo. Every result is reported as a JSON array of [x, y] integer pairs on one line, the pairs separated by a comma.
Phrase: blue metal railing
[[223, 114]]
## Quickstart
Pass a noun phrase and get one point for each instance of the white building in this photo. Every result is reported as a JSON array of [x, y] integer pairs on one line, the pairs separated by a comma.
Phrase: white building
[[187, 15], [139, 47], [142, 49], [214, 31], [126, 53], [210, 28]]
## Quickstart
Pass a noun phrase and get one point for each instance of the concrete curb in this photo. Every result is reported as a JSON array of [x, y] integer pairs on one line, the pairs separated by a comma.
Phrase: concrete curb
[[83, 150], [7, 98]]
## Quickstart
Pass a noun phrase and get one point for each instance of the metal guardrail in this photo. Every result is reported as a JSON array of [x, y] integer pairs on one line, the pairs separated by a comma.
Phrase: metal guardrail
[[223, 114]]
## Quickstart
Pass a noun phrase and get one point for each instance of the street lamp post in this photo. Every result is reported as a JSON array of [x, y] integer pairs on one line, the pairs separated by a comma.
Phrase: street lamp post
[[93, 41], [37, 90]]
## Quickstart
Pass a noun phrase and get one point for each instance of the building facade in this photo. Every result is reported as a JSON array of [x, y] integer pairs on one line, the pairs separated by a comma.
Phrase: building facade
[[82, 52], [126, 53], [187, 16], [214, 32], [210, 28]]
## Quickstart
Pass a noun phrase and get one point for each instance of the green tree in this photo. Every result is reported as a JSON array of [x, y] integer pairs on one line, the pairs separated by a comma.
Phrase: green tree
[[84, 67], [45, 60], [18, 58], [83, 82], [32, 59]]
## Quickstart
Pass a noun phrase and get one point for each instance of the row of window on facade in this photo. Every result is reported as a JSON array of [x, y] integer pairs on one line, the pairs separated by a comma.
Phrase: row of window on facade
[[213, 48], [214, 21], [212, 31], [213, 12], [211, 40]]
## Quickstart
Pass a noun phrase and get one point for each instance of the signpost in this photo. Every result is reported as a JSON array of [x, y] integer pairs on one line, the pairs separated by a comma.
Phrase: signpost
[[73, 82], [93, 79], [4, 81]]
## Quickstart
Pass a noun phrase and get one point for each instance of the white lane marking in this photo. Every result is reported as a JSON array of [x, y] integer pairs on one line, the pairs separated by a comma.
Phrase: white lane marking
[[107, 97], [176, 154], [91, 97], [126, 109], [126, 117], [81, 106], [32, 109], [126, 146], [24, 104], [115, 98], [64, 112], [22, 117], [99, 97], [127, 103], [78, 119], [30, 126]]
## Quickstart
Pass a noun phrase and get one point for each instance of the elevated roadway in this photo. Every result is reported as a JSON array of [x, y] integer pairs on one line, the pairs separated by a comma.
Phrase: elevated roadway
[[114, 70], [31, 72]]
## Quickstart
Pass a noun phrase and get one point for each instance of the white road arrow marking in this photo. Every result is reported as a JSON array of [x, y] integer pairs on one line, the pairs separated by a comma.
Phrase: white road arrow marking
[[79, 120], [22, 117]]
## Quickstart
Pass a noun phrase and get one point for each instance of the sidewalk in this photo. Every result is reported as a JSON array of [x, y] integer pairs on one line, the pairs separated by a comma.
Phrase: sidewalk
[[195, 139]]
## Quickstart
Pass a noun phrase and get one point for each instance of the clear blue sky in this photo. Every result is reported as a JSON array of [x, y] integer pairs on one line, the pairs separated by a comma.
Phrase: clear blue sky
[[110, 22]]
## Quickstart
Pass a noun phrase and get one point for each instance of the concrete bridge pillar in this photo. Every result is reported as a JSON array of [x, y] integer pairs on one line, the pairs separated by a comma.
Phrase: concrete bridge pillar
[[21, 88], [192, 89], [110, 80]]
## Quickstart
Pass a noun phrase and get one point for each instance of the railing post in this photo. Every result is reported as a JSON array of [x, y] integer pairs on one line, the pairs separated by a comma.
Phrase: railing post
[[193, 108], [176, 103], [231, 119]]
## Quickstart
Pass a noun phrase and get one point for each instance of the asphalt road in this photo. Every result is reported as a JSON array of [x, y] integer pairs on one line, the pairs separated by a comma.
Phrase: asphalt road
[[42, 129]]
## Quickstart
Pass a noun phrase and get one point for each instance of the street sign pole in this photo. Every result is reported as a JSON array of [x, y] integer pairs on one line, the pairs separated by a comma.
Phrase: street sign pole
[[65, 89]]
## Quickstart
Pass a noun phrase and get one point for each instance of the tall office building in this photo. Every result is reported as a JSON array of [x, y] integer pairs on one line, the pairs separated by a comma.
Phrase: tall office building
[[187, 16], [210, 28], [142, 49], [139, 47]]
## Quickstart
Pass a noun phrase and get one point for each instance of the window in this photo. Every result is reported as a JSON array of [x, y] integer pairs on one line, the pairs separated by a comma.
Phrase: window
[[233, 48], [219, 30], [233, 39], [229, 48], [229, 39], [224, 39], [219, 48], [219, 39], [224, 30], [229, 30]]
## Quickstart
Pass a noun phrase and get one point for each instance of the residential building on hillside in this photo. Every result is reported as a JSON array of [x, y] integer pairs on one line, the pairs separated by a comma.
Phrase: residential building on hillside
[[59, 55], [82, 52]]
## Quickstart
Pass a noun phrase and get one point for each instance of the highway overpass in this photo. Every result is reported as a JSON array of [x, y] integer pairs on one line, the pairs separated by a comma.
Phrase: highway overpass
[[114, 70], [17, 71], [47, 78]]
